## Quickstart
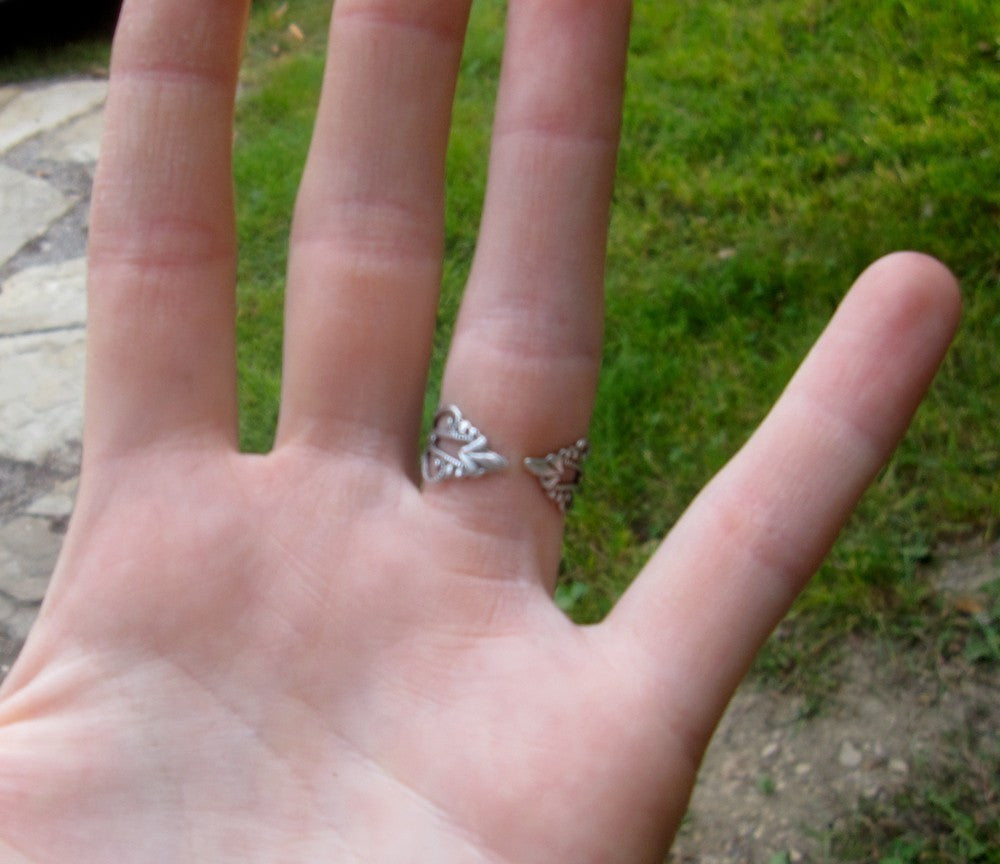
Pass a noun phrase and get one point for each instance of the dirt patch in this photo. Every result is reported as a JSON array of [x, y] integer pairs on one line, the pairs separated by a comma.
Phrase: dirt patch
[[777, 783]]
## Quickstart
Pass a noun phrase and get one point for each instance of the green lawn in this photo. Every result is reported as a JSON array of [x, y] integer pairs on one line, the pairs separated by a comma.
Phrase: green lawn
[[771, 151]]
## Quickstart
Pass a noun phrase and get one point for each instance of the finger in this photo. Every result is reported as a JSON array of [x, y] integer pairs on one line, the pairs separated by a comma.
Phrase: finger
[[162, 238], [733, 564], [525, 356], [365, 264]]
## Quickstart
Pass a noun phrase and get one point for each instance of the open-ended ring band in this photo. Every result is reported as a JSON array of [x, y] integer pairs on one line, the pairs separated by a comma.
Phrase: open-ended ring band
[[457, 449]]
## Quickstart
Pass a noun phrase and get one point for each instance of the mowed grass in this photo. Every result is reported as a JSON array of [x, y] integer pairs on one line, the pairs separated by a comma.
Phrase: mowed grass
[[771, 151]]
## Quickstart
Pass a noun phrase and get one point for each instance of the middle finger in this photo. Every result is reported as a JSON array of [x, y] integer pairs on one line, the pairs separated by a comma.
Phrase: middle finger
[[367, 243]]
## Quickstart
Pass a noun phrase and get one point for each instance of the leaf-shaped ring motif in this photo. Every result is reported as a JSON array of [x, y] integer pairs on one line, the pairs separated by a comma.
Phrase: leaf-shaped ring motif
[[456, 448], [560, 473]]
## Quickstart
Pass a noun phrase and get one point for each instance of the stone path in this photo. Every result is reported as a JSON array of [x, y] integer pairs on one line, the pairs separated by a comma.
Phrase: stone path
[[49, 139]]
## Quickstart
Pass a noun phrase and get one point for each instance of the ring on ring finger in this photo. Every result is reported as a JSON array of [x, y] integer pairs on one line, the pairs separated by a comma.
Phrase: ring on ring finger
[[457, 449]]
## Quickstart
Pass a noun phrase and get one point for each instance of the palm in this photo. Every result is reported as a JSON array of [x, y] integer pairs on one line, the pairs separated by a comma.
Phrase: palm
[[433, 701], [304, 656]]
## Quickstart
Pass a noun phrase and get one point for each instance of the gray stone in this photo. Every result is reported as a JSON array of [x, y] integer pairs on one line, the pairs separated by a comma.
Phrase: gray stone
[[79, 142], [41, 393], [28, 206], [7, 95], [57, 504], [16, 623], [23, 482], [899, 766], [849, 756], [28, 552], [770, 751], [52, 297], [872, 792], [38, 110]]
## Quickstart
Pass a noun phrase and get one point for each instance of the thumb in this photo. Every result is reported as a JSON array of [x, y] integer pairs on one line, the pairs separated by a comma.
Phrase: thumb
[[733, 564]]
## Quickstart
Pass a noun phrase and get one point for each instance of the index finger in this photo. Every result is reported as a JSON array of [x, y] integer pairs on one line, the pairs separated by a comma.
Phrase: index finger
[[162, 266]]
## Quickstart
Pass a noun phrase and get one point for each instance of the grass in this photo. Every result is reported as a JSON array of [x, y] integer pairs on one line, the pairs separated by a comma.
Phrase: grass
[[771, 151]]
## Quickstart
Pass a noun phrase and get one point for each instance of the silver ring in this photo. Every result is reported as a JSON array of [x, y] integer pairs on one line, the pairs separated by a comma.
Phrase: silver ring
[[456, 448], [560, 473]]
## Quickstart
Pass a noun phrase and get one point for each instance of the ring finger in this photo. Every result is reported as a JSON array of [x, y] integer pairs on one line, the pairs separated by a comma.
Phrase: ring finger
[[525, 356]]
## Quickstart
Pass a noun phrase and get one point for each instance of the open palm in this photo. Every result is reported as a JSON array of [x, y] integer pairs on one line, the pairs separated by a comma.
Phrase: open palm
[[305, 656]]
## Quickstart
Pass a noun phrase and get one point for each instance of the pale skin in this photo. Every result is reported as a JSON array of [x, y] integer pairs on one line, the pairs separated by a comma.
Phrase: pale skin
[[303, 656]]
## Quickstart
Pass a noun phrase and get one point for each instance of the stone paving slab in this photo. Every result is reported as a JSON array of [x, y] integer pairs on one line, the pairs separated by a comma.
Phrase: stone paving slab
[[44, 298], [22, 483], [17, 622], [30, 541], [79, 142], [42, 347], [7, 95], [41, 393], [28, 551], [49, 141], [28, 207], [34, 111], [57, 503]]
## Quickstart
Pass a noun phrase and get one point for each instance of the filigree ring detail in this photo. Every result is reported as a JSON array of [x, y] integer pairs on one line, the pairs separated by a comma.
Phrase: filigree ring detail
[[456, 448], [560, 473]]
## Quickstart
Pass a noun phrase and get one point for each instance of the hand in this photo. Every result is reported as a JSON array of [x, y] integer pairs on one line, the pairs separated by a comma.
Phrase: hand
[[304, 657]]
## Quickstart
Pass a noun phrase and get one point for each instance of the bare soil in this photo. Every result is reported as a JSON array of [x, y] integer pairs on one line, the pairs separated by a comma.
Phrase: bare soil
[[777, 783]]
